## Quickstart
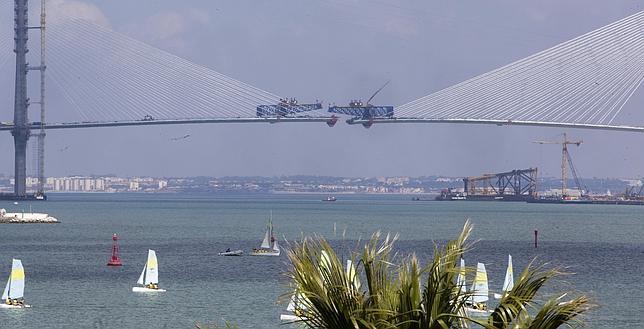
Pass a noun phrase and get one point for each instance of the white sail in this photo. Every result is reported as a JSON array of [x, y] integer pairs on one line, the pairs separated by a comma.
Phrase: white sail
[[142, 277], [508, 283], [291, 304], [151, 268], [352, 275], [460, 279], [325, 261], [267, 240], [297, 299], [480, 288], [5, 293], [276, 246], [15, 287]]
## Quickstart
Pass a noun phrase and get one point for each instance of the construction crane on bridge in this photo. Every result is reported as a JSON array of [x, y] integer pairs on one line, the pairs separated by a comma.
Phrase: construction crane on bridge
[[288, 107], [285, 107], [566, 160], [365, 111]]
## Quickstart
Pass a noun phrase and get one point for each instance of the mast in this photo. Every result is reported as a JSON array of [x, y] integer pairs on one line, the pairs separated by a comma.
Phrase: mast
[[564, 152]]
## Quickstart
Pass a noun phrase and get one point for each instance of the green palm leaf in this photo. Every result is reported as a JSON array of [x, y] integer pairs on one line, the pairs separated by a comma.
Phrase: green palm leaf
[[405, 295]]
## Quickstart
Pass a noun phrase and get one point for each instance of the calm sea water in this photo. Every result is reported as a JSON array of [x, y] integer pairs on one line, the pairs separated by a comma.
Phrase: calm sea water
[[69, 284]]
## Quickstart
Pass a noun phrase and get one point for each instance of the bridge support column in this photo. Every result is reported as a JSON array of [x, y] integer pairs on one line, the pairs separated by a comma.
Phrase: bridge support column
[[21, 102], [20, 187]]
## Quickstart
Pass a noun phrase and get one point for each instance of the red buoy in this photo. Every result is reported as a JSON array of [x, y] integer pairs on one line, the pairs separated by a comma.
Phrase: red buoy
[[115, 260]]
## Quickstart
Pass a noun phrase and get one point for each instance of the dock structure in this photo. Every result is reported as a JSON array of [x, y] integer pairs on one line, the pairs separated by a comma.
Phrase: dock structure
[[26, 218], [515, 185]]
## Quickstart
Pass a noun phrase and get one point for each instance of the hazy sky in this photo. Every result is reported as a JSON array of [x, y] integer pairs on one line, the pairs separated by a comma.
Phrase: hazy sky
[[344, 49]]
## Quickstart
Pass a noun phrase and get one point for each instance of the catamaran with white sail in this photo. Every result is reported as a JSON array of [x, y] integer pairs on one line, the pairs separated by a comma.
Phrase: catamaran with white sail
[[476, 304], [295, 308], [150, 276], [269, 246], [508, 283], [13, 295]]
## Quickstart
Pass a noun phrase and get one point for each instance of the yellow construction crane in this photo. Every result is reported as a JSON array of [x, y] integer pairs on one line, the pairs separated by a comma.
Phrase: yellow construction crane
[[566, 159]]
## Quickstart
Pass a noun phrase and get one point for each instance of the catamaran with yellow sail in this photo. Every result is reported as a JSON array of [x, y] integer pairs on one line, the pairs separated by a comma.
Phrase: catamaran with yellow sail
[[476, 305], [13, 295], [150, 276]]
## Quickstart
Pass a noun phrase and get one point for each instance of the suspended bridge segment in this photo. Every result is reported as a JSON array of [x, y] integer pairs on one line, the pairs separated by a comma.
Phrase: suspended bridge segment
[[128, 123], [581, 83]]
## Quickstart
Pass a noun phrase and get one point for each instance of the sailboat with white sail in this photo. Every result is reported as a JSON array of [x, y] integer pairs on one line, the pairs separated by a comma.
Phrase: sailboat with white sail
[[269, 246], [476, 304], [508, 283], [13, 294], [150, 276], [460, 279], [295, 308]]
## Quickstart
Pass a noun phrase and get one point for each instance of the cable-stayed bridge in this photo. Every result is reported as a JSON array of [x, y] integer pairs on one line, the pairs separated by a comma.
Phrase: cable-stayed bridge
[[581, 83], [109, 79]]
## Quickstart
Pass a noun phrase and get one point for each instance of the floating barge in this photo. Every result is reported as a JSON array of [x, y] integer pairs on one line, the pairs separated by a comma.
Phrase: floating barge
[[28, 197], [515, 185]]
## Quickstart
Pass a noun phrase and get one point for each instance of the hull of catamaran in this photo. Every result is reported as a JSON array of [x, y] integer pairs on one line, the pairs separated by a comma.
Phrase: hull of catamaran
[[265, 253], [477, 313], [14, 306], [144, 289], [232, 253], [287, 318]]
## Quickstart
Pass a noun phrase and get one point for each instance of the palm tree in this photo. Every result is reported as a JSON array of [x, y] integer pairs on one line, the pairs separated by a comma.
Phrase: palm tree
[[328, 294]]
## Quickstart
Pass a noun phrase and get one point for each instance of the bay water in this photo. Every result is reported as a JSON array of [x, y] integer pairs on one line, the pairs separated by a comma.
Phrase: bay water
[[69, 285]]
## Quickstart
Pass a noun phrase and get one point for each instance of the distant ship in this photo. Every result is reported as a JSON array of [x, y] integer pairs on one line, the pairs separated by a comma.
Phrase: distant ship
[[329, 199], [450, 195]]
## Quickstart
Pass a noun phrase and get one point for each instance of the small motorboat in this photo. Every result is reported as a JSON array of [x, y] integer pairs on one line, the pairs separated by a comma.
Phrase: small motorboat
[[329, 199], [229, 252]]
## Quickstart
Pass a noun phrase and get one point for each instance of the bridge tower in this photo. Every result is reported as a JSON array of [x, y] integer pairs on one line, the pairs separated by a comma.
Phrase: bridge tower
[[40, 147], [21, 131]]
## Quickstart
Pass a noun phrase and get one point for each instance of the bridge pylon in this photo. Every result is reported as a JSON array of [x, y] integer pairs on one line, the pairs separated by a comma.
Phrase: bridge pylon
[[21, 129]]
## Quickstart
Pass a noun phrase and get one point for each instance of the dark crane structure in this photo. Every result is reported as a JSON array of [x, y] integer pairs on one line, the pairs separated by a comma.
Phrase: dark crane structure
[[634, 193], [365, 111], [515, 185], [566, 160]]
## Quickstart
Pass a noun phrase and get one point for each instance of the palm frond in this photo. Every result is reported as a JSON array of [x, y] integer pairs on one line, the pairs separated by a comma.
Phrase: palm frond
[[443, 301], [556, 313], [400, 293]]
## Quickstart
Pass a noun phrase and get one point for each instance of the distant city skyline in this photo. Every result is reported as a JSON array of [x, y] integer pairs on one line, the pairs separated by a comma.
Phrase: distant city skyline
[[346, 50], [304, 184]]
